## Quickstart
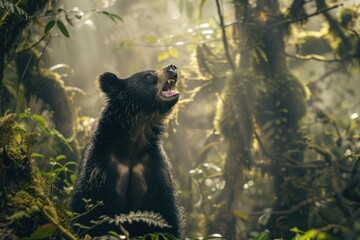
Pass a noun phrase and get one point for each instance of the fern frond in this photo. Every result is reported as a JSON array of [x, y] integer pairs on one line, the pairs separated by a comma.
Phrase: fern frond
[[151, 218], [13, 8]]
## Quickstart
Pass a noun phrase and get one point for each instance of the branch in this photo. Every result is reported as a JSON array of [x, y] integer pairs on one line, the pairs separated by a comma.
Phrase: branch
[[335, 183], [324, 76], [279, 24], [310, 57], [224, 38], [296, 207], [33, 45], [66, 233]]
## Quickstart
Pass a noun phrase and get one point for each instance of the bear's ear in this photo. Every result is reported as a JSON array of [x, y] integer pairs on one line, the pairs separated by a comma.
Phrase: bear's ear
[[109, 83]]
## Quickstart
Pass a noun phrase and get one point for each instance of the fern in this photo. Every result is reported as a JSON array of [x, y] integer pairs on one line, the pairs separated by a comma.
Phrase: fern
[[150, 218], [13, 8]]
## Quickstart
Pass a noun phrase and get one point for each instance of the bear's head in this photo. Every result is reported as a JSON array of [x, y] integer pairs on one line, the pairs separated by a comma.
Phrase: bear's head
[[144, 92]]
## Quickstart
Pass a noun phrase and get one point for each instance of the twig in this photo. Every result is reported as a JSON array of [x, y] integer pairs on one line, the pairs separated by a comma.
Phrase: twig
[[43, 50], [213, 137], [296, 207], [175, 44], [310, 57], [123, 230], [262, 146], [224, 38], [65, 232], [324, 76], [33, 45], [335, 183], [354, 32], [330, 226], [289, 21]]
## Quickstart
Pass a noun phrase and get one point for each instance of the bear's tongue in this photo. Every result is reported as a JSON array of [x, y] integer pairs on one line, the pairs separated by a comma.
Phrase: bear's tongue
[[167, 91]]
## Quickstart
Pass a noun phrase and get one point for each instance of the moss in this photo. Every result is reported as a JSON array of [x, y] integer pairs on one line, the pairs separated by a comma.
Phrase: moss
[[23, 205], [22, 187], [235, 112], [235, 104], [280, 108]]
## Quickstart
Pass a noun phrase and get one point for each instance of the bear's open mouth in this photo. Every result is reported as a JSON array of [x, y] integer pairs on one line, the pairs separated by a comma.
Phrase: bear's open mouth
[[168, 89]]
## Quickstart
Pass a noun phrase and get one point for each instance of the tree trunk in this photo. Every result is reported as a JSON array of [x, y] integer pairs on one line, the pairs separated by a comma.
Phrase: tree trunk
[[11, 26]]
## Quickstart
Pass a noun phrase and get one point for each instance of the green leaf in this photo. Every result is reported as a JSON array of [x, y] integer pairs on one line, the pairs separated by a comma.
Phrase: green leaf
[[241, 214], [296, 230], [44, 231], [37, 155], [150, 39], [310, 234], [73, 177], [70, 163], [40, 120], [49, 26], [163, 56], [58, 136], [112, 16], [10, 87], [125, 44], [60, 157], [263, 235], [173, 52], [62, 28]]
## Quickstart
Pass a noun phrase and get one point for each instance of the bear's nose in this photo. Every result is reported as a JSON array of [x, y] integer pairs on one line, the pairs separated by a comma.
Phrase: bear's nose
[[172, 70], [171, 67]]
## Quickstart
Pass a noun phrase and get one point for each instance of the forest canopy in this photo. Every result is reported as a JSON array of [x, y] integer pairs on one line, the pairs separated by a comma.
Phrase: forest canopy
[[264, 141]]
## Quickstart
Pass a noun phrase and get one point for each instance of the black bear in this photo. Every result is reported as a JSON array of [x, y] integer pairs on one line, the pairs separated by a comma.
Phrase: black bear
[[124, 164]]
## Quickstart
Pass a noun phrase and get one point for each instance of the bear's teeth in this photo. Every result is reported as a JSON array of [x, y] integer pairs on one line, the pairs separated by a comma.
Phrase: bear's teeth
[[170, 81]]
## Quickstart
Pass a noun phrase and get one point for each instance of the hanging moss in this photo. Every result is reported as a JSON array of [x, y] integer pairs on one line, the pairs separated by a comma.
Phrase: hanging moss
[[280, 107], [234, 119], [235, 113]]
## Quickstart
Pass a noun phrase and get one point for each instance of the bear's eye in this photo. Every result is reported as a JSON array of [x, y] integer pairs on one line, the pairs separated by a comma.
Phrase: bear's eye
[[149, 75]]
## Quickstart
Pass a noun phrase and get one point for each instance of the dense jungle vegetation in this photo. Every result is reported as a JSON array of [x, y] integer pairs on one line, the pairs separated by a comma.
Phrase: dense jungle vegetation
[[265, 141]]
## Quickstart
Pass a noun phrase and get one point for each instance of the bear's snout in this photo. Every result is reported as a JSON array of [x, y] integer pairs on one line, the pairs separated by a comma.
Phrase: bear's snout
[[171, 70]]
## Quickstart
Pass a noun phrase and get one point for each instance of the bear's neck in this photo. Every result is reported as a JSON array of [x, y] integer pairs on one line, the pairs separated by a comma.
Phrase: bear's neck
[[129, 129]]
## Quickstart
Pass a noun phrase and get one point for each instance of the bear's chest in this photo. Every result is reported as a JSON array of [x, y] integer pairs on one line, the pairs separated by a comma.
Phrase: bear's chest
[[131, 184]]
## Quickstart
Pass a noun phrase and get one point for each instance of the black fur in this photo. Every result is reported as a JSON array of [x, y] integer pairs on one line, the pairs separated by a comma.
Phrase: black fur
[[124, 164]]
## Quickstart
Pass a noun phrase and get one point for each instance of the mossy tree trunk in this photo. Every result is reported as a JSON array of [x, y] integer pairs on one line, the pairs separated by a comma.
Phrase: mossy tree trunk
[[263, 94], [36, 79], [11, 26], [280, 108]]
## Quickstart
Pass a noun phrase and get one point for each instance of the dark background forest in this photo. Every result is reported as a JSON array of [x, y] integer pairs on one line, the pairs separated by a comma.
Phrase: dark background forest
[[265, 140]]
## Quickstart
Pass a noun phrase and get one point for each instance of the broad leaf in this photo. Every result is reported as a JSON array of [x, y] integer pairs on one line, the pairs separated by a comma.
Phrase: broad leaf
[[62, 28]]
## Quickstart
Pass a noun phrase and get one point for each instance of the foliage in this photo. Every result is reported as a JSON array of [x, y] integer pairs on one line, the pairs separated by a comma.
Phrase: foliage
[[27, 207], [14, 9], [149, 218], [302, 150], [70, 16]]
